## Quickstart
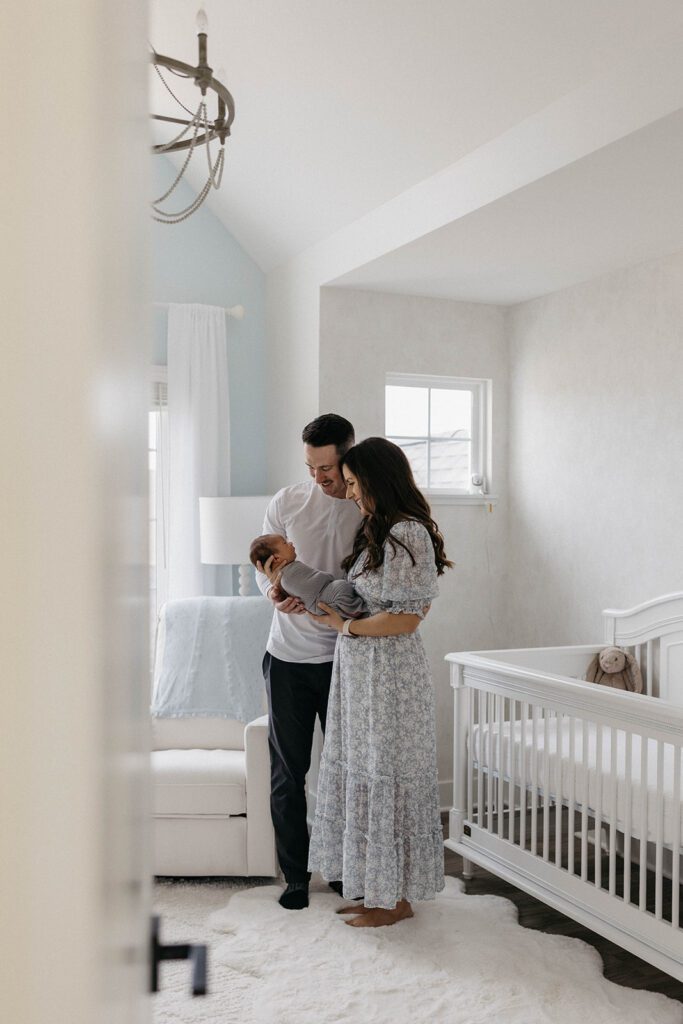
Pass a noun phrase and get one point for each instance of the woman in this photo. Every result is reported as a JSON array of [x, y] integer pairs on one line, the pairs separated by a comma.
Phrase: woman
[[377, 824]]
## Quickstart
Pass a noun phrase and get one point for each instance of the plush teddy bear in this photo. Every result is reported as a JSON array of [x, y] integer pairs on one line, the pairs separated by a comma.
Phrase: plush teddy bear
[[614, 667]]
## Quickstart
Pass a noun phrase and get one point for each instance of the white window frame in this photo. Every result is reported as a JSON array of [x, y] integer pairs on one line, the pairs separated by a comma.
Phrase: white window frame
[[481, 391]]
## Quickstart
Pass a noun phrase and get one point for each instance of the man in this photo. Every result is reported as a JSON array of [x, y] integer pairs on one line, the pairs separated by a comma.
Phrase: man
[[298, 663]]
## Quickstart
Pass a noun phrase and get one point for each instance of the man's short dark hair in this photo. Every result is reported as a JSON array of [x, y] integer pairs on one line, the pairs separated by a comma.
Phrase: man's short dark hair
[[329, 429]]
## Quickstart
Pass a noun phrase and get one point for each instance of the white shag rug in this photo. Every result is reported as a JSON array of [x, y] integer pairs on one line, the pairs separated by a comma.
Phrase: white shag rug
[[461, 960]]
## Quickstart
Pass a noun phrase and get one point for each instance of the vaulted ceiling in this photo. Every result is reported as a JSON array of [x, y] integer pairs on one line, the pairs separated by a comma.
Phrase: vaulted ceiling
[[343, 105]]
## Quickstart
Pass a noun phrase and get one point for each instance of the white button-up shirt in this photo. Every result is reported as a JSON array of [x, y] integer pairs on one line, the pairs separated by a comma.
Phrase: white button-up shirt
[[322, 531]]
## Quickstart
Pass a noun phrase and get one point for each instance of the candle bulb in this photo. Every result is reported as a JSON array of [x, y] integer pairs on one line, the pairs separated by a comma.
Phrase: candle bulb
[[202, 22]]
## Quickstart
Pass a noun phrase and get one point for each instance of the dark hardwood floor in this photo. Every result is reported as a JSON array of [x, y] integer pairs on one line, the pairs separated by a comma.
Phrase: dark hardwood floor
[[619, 966]]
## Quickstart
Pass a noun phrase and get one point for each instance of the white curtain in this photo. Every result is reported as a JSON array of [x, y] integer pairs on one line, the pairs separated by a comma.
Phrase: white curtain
[[198, 436]]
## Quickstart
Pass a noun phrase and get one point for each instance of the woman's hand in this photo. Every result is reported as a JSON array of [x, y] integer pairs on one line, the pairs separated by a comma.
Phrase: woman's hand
[[328, 618]]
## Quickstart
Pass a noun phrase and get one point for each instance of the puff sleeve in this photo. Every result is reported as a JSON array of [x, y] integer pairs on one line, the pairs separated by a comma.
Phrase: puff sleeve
[[408, 587]]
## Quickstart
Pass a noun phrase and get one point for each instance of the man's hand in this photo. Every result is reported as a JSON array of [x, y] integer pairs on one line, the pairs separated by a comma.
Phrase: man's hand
[[290, 605], [270, 571]]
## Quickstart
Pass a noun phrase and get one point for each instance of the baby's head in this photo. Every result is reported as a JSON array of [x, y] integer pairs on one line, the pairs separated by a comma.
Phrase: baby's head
[[272, 544]]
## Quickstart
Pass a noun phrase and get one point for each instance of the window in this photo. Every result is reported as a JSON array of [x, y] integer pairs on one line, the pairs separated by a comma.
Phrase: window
[[158, 494], [442, 424]]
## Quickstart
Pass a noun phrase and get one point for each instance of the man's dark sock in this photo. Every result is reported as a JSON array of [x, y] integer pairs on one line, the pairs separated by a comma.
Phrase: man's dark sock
[[295, 896], [338, 887]]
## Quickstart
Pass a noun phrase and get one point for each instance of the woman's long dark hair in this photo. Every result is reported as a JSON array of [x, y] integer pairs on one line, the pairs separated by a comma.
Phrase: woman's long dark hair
[[387, 483]]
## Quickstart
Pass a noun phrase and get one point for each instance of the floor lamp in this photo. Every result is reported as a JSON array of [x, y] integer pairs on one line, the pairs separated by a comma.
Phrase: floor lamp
[[227, 527]]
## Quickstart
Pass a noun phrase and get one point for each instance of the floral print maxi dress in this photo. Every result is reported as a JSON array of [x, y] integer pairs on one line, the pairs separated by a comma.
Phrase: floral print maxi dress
[[377, 824]]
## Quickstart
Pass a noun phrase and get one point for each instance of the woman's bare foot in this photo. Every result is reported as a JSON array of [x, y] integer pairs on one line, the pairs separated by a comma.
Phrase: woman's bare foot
[[377, 917], [354, 908]]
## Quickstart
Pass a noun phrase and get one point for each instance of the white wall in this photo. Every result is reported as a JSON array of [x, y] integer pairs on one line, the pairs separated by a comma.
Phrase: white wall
[[596, 426], [362, 336], [291, 384], [598, 113]]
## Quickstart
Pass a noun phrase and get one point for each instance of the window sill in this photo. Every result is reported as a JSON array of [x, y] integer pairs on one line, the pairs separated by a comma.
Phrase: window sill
[[446, 498]]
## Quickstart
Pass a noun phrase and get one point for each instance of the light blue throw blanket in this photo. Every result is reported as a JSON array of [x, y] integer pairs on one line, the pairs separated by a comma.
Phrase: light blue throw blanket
[[208, 659]]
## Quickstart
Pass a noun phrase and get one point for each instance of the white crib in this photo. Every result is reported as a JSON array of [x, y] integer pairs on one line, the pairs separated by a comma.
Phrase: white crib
[[572, 791]]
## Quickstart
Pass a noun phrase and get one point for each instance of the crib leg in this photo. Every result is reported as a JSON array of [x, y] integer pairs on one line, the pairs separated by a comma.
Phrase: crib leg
[[466, 869]]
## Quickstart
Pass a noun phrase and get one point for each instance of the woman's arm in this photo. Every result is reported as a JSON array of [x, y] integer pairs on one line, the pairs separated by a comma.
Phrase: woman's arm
[[381, 624]]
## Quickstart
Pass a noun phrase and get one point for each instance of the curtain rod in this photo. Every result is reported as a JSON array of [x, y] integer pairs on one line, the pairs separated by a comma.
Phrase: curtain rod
[[237, 312]]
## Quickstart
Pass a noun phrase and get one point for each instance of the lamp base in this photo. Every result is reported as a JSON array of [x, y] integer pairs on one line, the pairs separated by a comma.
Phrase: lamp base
[[245, 580]]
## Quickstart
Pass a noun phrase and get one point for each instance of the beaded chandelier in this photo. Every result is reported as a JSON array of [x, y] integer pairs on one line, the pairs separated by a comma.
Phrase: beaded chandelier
[[199, 130]]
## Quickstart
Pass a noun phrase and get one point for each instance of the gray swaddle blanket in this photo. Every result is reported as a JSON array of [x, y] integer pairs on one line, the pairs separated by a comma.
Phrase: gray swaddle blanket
[[313, 586]]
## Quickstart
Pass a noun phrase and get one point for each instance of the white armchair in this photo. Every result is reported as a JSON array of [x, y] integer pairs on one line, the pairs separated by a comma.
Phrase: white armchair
[[211, 785]]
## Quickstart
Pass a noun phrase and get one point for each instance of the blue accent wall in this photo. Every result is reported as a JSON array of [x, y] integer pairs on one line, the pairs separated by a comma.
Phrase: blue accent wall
[[199, 261]]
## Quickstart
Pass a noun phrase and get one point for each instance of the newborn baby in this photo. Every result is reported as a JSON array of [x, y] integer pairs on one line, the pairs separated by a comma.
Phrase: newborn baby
[[298, 580]]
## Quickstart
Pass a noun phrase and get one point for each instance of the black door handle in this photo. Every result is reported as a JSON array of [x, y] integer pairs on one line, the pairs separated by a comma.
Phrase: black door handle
[[159, 951]]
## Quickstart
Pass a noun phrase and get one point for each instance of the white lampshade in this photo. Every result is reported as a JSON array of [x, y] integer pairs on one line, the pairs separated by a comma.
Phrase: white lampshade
[[227, 527]]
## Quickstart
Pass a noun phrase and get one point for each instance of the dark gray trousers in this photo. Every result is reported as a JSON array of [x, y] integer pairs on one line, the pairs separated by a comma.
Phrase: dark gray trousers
[[296, 694]]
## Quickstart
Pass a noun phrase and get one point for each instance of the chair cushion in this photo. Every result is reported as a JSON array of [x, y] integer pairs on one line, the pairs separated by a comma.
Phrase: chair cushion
[[189, 733], [200, 846], [198, 782]]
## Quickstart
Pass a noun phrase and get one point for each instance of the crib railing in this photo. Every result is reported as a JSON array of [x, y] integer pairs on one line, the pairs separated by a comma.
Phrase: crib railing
[[653, 633], [573, 792]]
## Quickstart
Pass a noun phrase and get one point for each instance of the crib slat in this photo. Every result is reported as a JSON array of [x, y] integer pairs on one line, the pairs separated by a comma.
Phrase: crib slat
[[638, 655], [470, 753], [500, 805], [559, 740], [523, 774], [676, 873], [572, 794], [476, 694], [584, 803], [489, 765], [512, 761], [642, 893], [613, 813], [598, 807], [659, 830], [480, 761], [546, 784], [481, 773], [628, 778], [648, 678], [534, 780]]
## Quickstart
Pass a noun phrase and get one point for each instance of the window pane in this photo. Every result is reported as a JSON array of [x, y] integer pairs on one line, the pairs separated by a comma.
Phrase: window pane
[[416, 453], [406, 411], [450, 465], [451, 413]]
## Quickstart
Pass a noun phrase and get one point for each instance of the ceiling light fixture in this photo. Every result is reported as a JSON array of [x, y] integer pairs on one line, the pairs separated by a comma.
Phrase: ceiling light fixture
[[203, 128]]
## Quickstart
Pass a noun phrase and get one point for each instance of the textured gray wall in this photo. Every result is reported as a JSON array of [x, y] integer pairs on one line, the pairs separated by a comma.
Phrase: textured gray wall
[[596, 451]]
